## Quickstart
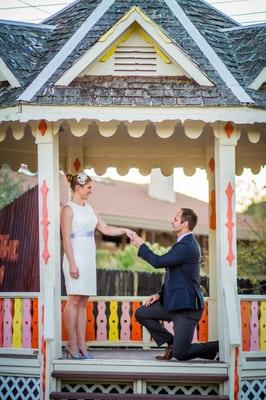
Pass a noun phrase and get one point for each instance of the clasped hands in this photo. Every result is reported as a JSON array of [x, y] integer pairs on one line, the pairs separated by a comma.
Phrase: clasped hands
[[135, 239]]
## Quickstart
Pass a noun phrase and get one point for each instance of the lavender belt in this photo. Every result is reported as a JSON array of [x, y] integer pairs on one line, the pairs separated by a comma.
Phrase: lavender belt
[[81, 234]]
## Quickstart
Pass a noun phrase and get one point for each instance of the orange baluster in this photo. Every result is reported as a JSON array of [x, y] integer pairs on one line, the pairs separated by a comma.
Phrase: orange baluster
[[245, 323], [35, 328], [64, 331], [90, 322], [136, 330], [203, 325]]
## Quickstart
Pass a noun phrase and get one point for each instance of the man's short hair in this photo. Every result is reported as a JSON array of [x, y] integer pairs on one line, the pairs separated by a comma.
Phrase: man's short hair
[[190, 216]]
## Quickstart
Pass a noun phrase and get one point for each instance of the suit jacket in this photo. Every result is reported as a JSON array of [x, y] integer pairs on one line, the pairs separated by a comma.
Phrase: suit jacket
[[181, 288]]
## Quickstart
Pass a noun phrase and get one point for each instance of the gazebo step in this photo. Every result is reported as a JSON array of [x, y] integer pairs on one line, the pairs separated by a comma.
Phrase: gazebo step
[[131, 396], [71, 376]]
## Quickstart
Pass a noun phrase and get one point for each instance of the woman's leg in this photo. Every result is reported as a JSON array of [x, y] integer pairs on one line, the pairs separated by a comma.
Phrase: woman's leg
[[71, 320], [81, 324]]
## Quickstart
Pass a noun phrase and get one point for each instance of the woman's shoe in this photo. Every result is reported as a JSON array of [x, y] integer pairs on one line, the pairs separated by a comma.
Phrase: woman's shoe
[[86, 355], [72, 356]]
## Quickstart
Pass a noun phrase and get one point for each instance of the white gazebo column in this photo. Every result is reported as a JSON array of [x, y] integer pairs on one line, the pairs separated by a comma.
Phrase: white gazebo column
[[49, 252], [212, 302], [226, 137]]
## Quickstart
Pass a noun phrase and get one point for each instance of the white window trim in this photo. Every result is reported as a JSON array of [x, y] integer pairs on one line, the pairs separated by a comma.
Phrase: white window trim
[[9, 76], [171, 49], [209, 53], [65, 51], [259, 80]]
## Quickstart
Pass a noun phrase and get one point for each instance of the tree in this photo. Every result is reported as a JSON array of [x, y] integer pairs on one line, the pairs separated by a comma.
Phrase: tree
[[252, 255], [11, 186]]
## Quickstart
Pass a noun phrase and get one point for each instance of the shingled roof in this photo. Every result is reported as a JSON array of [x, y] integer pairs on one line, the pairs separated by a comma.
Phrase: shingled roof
[[240, 49]]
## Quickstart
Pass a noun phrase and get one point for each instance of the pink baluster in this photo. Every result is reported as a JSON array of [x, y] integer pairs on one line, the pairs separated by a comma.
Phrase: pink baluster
[[254, 326], [7, 323], [125, 321], [101, 322], [26, 324], [169, 326]]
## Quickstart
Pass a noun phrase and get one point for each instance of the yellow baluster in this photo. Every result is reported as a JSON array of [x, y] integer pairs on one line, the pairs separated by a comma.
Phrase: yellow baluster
[[113, 322], [263, 326], [17, 324]]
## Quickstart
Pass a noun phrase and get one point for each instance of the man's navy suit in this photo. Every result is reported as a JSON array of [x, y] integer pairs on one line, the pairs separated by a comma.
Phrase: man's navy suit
[[181, 300]]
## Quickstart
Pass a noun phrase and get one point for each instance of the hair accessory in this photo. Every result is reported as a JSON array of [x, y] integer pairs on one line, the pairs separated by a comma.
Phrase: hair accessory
[[81, 178]]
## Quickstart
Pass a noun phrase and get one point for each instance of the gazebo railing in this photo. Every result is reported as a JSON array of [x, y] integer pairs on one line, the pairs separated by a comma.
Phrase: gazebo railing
[[111, 322]]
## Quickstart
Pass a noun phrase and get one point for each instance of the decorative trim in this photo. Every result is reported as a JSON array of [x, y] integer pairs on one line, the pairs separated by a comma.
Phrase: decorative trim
[[212, 165], [259, 80], [65, 51], [45, 222], [230, 224], [8, 75], [229, 129], [212, 211], [42, 127], [209, 53]]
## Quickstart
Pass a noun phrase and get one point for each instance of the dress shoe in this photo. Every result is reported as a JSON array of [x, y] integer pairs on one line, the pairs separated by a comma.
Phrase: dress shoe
[[168, 354]]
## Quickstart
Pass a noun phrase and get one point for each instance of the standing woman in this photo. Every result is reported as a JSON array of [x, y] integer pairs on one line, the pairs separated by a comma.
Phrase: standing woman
[[78, 223]]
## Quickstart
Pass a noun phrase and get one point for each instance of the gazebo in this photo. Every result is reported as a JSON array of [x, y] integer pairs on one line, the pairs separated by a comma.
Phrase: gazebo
[[146, 84]]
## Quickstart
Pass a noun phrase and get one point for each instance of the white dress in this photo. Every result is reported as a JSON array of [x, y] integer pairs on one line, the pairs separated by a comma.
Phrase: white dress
[[84, 251]]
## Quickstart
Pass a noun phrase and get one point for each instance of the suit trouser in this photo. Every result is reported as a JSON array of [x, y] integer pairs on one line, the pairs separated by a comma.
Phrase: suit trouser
[[185, 322]]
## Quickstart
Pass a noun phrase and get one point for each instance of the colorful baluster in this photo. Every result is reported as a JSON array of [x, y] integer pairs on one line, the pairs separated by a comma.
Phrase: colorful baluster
[[101, 322], [7, 323], [203, 325], [64, 331], [254, 326], [35, 328], [125, 321], [113, 322], [26, 324], [1, 322], [263, 326], [245, 319], [17, 324], [90, 322], [136, 330]]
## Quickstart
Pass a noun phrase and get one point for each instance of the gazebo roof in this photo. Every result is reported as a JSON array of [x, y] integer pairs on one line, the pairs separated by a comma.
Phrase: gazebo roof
[[229, 56]]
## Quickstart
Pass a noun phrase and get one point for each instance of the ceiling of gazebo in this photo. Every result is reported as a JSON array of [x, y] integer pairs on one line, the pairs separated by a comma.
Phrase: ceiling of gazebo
[[143, 145]]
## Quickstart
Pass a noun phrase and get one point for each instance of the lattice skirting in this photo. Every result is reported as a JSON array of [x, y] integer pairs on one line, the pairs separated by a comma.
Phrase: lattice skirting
[[103, 387], [19, 388], [253, 390], [170, 388], [149, 388]]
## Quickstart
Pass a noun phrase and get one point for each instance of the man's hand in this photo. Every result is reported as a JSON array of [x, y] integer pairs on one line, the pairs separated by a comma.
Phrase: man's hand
[[130, 234], [74, 271], [152, 299], [136, 240]]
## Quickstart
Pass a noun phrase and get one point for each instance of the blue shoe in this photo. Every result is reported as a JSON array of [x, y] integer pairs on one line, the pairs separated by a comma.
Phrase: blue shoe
[[72, 356], [86, 355]]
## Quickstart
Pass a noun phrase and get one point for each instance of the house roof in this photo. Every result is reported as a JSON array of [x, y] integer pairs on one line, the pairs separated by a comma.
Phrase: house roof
[[227, 53]]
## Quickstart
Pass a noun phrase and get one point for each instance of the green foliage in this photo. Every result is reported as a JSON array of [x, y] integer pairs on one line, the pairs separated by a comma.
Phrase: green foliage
[[11, 187], [251, 256], [127, 259]]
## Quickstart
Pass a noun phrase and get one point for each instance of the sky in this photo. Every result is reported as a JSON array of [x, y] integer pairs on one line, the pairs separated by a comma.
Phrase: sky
[[243, 11]]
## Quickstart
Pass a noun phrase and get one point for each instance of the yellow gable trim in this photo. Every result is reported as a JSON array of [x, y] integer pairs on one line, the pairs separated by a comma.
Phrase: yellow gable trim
[[133, 28], [143, 16]]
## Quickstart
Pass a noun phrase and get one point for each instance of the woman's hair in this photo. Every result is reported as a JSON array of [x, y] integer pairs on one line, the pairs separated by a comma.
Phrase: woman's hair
[[80, 179]]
